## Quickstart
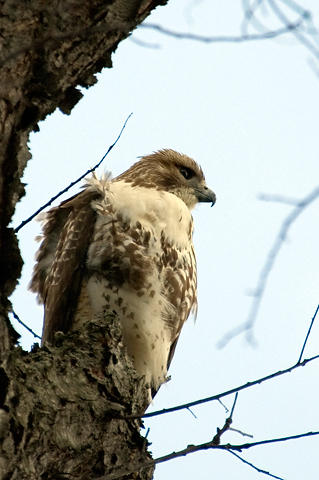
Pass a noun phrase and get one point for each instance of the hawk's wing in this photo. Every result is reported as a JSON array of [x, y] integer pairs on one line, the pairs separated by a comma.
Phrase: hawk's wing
[[180, 289], [61, 260]]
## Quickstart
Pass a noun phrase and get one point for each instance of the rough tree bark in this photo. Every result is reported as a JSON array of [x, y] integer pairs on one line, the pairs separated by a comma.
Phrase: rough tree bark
[[59, 406]]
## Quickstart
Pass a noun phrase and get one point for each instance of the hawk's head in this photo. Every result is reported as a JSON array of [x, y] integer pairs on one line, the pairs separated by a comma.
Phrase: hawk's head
[[172, 172]]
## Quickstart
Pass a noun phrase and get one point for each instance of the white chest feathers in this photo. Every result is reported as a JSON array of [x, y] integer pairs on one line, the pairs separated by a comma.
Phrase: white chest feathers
[[142, 266]]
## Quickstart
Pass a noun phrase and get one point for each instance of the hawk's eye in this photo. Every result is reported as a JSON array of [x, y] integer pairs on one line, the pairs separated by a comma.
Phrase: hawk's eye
[[187, 172]]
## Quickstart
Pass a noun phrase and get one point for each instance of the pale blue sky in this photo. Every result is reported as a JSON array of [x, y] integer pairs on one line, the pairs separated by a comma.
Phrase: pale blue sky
[[249, 114]]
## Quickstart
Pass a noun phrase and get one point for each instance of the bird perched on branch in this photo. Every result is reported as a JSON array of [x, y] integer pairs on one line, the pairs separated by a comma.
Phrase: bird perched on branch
[[125, 246]]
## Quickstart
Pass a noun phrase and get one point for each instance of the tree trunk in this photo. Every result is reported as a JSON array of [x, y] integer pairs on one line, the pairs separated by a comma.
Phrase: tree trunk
[[59, 406]]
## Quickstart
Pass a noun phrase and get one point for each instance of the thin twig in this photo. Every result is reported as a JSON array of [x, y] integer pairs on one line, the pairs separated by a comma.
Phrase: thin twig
[[224, 38], [246, 446], [265, 271], [266, 197], [232, 429], [308, 333], [233, 407], [259, 470], [22, 224], [23, 324], [142, 43]]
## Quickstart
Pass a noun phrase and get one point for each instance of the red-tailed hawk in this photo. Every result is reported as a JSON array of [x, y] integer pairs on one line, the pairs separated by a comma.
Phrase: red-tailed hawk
[[125, 245]]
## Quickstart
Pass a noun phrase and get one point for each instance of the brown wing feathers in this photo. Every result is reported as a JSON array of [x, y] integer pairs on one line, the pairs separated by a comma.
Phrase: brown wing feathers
[[61, 261]]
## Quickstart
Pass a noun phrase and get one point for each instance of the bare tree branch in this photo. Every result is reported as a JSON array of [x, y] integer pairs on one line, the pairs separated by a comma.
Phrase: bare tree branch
[[23, 324], [259, 470], [225, 394], [266, 197], [227, 424], [258, 293], [301, 38], [204, 446], [307, 34], [22, 224], [224, 38], [215, 441], [142, 43], [308, 333]]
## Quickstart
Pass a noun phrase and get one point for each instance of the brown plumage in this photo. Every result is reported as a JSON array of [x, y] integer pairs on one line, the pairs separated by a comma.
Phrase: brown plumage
[[125, 245]]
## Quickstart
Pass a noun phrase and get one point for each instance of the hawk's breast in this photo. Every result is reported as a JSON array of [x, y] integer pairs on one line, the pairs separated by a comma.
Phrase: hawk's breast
[[142, 265]]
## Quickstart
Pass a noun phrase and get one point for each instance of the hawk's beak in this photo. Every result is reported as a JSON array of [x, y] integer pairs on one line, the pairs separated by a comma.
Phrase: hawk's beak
[[205, 194]]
